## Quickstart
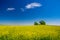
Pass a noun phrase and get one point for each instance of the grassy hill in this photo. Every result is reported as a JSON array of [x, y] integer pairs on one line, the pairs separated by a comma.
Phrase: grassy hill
[[39, 32]]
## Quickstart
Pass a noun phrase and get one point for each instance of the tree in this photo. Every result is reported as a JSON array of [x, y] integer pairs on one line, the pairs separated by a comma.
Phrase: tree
[[42, 22], [35, 23]]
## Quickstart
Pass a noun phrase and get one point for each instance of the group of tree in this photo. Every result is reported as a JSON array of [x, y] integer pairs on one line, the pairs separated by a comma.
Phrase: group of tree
[[42, 22]]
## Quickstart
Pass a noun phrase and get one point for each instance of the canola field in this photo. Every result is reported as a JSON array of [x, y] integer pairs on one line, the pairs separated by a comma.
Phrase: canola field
[[39, 32]]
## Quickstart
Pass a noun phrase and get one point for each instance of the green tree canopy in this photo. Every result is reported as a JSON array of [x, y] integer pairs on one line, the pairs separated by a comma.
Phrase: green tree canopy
[[35, 23], [42, 22]]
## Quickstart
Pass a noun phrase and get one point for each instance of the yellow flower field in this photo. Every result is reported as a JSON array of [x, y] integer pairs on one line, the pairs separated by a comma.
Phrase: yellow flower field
[[39, 32]]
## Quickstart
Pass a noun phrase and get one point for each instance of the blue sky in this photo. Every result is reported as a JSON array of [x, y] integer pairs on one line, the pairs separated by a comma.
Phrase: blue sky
[[28, 11]]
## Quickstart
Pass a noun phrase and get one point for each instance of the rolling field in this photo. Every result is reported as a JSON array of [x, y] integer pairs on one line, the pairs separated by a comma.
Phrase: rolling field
[[39, 32]]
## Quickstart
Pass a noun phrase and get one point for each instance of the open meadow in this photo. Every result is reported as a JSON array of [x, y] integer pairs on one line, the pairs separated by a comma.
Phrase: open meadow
[[37, 32]]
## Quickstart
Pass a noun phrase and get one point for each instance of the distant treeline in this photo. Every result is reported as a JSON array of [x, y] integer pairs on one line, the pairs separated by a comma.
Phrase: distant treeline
[[42, 22]]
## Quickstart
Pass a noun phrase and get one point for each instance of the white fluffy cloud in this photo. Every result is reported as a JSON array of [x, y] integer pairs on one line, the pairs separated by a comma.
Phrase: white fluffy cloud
[[10, 9], [33, 5]]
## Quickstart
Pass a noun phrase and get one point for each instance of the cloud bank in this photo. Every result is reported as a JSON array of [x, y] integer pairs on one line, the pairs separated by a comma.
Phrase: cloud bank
[[28, 6]]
